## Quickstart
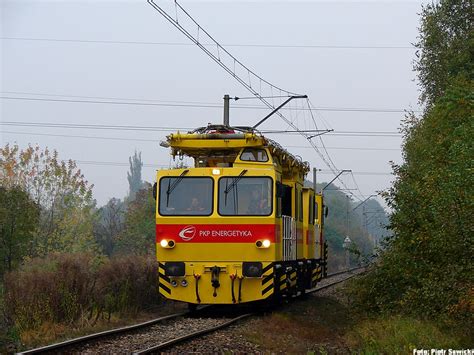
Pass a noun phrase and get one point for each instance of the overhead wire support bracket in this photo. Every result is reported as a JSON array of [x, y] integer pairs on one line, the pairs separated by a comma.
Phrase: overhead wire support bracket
[[340, 173], [279, 107], [320, 133], [360, 204]]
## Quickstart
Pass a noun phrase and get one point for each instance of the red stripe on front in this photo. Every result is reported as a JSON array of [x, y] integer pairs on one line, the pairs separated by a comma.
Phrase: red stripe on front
[[215, 233]]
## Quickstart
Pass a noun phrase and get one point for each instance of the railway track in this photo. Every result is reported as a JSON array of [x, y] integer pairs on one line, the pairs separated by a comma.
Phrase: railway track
[[164, 332], [331, 276], [192, 335], [69, 344]]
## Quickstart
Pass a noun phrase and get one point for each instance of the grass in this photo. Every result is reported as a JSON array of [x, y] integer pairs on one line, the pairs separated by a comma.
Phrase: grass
[[325, 325], [8, 335], [400, 335], [313, 325]]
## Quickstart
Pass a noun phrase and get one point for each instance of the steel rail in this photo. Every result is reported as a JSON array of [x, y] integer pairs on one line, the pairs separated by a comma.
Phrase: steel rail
[[345, 271], [106, 333], [192, 335], [198, 333], [316, 289]]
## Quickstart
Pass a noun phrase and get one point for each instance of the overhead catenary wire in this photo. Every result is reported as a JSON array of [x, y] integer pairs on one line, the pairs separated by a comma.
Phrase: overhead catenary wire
[[257, 45], [331, 132], [336, 133], [161, 165], [347, 148], [220, 49], [81, 136], [165, 128], [291, 122], [355, 184], [156, 140], [329, 162], [377, 219], [118, 164], [216, 56], [191, 104], [94, 126]]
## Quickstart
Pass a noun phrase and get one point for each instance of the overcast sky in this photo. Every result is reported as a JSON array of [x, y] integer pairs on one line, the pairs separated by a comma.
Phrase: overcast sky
[[344, 55]]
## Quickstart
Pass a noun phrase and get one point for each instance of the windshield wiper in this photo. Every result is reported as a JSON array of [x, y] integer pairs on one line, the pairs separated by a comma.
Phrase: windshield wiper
[[173, 186], [235, 181], [231, 186]]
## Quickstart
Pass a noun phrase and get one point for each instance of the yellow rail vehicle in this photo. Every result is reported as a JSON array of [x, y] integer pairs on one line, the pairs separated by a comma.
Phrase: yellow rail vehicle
[[239, 226]]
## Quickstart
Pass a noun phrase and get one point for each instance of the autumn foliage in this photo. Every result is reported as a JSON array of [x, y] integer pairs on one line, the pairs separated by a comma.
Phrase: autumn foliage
[[60, 191], [426, 269], [79, 289]]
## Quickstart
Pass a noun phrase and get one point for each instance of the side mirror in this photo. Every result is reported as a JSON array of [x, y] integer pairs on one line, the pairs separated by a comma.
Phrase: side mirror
[[326, 211], [154, 190]]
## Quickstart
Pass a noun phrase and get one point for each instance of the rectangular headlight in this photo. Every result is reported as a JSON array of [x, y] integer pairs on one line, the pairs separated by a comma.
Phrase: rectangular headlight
[[252, 269], [175, 268]]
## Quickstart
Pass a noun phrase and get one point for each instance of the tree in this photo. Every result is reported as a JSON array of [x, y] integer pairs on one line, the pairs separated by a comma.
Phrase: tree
[[109, 225], [138, 236], [18, 221], [135, 175], [445, 47], [426, 269], [61, 191], [340, 224]]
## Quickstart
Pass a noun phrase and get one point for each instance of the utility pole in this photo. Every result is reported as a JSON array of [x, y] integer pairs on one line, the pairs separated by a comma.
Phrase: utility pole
[[346, 246], [347, 215], [364, 216], [226, 110]]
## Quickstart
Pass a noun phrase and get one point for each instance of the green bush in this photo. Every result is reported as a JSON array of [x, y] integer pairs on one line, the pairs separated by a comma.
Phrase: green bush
[[426, 269], [67, 288], [128, 284], [55, 289]]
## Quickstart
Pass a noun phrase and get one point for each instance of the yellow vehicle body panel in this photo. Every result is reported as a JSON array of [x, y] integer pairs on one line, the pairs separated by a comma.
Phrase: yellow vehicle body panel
[[309, 230], [251, 288], [200, 254], [211, 251]]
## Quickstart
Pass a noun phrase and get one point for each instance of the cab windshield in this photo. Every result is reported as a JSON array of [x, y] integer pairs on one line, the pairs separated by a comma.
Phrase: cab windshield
[[245, 196], [185, 196]]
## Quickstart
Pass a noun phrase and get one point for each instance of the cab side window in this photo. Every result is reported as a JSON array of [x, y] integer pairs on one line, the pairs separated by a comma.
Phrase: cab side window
[[257, 155]]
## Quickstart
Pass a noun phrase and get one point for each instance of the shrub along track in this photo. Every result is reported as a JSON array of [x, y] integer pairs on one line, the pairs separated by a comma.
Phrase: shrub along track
[[168, 331]]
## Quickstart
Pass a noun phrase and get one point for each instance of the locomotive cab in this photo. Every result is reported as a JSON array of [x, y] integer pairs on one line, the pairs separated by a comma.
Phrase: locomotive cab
[[235, 227]]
